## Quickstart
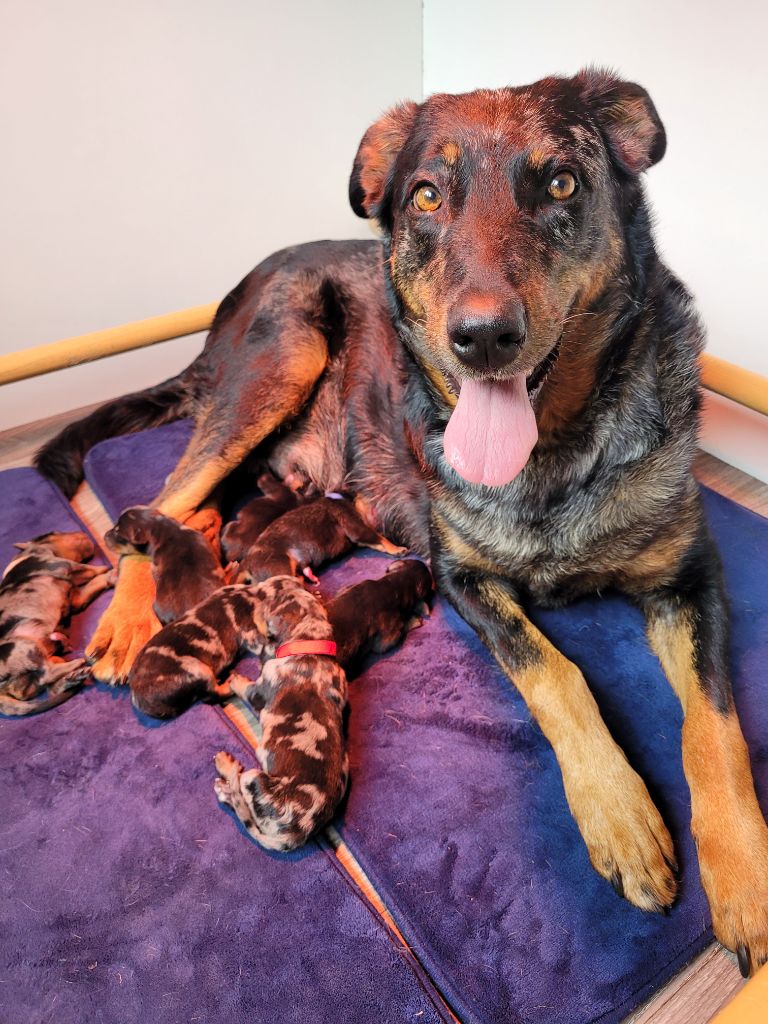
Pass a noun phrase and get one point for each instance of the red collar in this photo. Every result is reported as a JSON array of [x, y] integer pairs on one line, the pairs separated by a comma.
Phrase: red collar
[[306, 647]]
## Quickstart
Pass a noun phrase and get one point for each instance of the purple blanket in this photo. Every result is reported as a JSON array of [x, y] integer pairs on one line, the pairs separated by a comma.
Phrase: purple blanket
[[129, 895], [457, 810]]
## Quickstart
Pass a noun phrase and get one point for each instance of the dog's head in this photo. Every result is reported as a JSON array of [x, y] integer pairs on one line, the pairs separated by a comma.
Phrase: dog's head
[[74, 546], [506, 214], [133, 530]]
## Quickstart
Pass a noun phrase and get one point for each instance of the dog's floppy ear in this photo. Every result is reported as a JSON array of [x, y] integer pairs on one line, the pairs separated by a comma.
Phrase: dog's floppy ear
[[376, 157], [629, 121]]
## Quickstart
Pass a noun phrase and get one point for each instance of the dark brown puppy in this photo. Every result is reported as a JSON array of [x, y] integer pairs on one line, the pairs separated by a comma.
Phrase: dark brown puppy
[[39, 591], [308, 536], [376, 615], [184, 566], [517, 297], [245, 529]]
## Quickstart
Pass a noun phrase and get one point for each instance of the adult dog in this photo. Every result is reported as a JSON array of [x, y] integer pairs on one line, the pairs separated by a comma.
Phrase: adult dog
[[509, 383]]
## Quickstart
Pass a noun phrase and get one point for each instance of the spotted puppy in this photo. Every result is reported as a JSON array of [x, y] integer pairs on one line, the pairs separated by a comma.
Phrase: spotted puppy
[[184, 566], [242, 533], [300, 700], [308, 536], [39, 591], [375, 615]]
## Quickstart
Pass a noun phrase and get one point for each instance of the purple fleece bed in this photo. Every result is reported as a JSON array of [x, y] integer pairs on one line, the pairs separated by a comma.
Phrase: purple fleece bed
[[129, 895], [457, 811]]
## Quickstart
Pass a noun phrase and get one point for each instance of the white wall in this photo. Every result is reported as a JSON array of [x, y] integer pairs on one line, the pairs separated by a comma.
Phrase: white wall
[[153, 152], [705, 66]]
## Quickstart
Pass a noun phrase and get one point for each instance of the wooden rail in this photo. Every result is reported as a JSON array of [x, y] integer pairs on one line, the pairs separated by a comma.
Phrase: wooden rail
[[85, 348], [740, 385]]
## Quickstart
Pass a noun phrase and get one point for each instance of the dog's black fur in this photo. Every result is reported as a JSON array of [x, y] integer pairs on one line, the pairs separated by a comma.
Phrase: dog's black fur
[[534, 221]]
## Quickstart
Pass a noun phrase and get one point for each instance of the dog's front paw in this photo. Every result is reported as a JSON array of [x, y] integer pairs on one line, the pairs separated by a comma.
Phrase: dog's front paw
[[733, 861], [628, 842], [127, 624]]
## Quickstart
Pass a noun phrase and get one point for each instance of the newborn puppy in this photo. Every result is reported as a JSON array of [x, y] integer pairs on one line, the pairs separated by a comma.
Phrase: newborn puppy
[[252, 519], [375, 615], [182, 663], [308, 536], [39, 591], [184, 566], [300, 698]]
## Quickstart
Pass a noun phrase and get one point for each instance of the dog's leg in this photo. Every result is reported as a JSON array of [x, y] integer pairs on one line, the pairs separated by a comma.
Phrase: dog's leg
[[360, 533], [246, 406], [81, 596], [688, 629], [627, 840], [278, 382], [127, 624]]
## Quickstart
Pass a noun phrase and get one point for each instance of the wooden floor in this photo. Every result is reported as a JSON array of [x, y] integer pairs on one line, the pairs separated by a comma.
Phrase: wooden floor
[[706, 984]]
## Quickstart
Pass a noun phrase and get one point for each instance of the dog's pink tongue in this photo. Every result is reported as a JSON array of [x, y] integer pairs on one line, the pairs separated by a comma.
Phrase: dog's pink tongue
[[492, 431]]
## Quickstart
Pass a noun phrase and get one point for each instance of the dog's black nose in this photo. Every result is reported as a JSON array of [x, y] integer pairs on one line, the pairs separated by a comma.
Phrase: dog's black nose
[[487, 335]]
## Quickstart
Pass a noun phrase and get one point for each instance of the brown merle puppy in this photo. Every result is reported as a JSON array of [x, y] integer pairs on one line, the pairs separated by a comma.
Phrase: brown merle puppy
[[508, 381], [39, 591], [184, 567], [376, 615], [300, 701], [310, 535], [253, 518], [183, 662]]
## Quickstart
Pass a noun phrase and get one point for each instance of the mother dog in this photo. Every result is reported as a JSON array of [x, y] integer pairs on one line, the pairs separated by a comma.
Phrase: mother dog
[[509, 383]]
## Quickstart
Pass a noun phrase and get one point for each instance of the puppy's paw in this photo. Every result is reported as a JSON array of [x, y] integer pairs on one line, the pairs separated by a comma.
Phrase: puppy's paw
[[127, 624], [733, 860], [627, 840], [240, 685], [223, 792], [227, 785], [388, 548], [228, 767]]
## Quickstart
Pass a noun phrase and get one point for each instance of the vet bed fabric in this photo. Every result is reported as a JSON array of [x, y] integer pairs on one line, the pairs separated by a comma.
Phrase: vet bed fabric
[[128, 894], [457, 811]]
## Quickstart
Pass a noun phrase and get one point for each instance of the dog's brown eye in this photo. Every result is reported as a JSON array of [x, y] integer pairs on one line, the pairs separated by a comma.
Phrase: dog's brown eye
[[427, 199], [562, 186]]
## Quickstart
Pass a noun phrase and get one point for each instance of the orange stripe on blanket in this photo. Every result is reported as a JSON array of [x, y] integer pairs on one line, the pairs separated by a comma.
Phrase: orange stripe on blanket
[[243, 720]]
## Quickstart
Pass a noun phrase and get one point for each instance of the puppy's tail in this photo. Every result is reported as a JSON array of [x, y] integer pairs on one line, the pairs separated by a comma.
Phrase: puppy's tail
[[61, 458]]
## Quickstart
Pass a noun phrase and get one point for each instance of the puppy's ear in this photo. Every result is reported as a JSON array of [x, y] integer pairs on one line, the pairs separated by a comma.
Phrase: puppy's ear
[[629, 121], [376, 157]]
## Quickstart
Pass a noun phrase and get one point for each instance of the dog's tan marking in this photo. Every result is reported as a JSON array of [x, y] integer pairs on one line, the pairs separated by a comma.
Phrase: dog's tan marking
[[453, 542], [726, 820], [450, 152], [127, 624], [656, 566], [537, 158], [438, 383], [627, 840]]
